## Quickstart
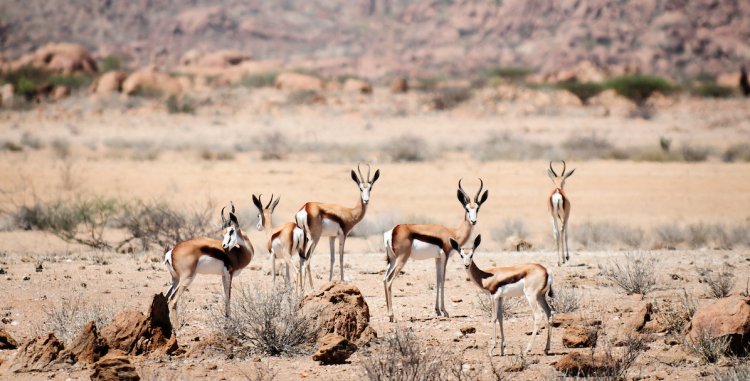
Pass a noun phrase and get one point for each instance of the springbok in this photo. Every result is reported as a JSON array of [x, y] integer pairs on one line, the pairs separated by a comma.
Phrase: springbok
[[334, 221], [429, 242], [531, 280], [209, 256], [285, 242], [559, 208]]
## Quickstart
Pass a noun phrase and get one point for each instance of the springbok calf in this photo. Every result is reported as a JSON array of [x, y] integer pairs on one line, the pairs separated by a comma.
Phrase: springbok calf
[[334, 221], [209, 256], [428, 242], [530, 280], [285, 242], [559, 208]]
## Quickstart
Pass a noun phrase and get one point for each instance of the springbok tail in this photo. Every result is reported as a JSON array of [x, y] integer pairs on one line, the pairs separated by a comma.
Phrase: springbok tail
[[388, 243], [550, 293]]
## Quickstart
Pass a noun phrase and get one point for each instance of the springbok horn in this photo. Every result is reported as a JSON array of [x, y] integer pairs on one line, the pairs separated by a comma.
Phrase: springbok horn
[[563, 172], [462, 190], [368, 172], [232, 203], [223, 220], [269, 202], [481, 185], [550, 168], [360, 172]]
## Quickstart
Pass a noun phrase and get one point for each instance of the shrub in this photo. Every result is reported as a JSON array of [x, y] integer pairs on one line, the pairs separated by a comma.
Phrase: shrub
[[674, 316], [669, 235], [589, 147], [719, 284], [737, 152], [510, 73], [402, 356], [259, 80], [712, 90], [695, 154], [638, 88], [702, 235], [511, 306], [273, 146], [604, 234], [583, 90], [739, 371], [706, 346], [512, 227], [163, 226], [67, 317], [407, 148], [636, 274], [111, 63], [446, 98], [180, 105], [72, 81], [566, 300], [505, 147], [270, 322]]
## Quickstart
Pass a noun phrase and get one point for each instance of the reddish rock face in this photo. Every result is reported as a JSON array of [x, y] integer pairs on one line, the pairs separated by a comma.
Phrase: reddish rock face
[[341, 309], [6, 341], [579, 337], [725, 318], [88, 347], [38, 354], [135, 333], [114, 368], [334, 349]]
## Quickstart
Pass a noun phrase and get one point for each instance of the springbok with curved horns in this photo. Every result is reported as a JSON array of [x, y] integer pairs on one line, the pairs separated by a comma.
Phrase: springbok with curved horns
[[334, 221], [209, 256], [285, 242], [431, 241], [559, 208], [530, 280]]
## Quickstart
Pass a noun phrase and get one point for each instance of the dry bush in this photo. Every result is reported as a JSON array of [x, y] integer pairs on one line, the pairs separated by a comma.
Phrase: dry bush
[[216, 154], [161, 225], [669, 235], [377, 224], [400, 355], [268, 321], [407, 148], [737, 152], [694, 154], [714, 236], [604, 234], [513, 227], [738, 371], [511, 306], [674, 316], [446, 98], [67, 317], [709, 348], [566, 299], [635, 273], [273, 146], [506, 147], [718, 284], [590, 147]]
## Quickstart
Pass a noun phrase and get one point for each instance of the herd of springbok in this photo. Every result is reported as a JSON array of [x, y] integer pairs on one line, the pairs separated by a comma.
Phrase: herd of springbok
[[294, 243]]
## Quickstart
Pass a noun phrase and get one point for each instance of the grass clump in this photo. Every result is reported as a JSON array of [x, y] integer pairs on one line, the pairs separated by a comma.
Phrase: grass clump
[[712, 90], [158, 224], [707, 346], [718, 284], [402, 356], [254, 81], [180, 105], [566, 300], [407, 148], [674, 316], [584, 91], [635, 274], [67, 317], [274, 146], [511, 228]]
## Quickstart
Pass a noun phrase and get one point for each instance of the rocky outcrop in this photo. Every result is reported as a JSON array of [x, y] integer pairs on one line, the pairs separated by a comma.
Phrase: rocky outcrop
[[114, 368], [110, 82], [296, 81], [577, 336], [87, 347], [38, 354], [151, 82], [63, 58], [135, 333], [340, 308], [7, 341], [725, 318], [637, 322], [334, 349]]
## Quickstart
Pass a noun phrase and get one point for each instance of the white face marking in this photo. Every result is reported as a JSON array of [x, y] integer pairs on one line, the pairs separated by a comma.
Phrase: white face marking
[[364, 192], [230, 239], [466, 256], [471, 213]]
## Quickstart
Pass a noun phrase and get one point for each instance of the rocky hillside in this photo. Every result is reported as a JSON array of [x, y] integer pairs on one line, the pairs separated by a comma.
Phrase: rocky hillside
[[380, 38]]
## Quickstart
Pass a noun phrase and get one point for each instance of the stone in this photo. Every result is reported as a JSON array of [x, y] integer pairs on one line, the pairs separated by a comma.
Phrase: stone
[[7, 341], [340, 308], [334, 349], [467, 330], [87, 347], [577, 336], [38, 354], [114, 368], [135, 333], [639, 320], [399, 86], [724, 318]]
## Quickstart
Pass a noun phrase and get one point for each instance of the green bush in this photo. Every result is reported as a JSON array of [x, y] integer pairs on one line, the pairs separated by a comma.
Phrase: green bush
[[712, 90], [510, 73], [583, 90], [638, 88], [259, 80], [27, 79], [180, 105], [111, 63]]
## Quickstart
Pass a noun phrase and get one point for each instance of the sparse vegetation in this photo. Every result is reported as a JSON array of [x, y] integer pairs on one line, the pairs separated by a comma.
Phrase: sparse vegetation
[[111, 63], [259, 80], [669, 235], [158, 224], [718, 284], [635, 273], [712, 90], [708, 347], [566, 299], [605, 234], [587, 147], [584, 91], [180, 105], [510, 228], [506, 147], [674, 316], [273, 146], [694, 153], [510, 73], [737, 152], [67, 317], [402, 356], [304, 97], [407, 148], [511, 306], [446, 98], [738, 371], [639, 88]]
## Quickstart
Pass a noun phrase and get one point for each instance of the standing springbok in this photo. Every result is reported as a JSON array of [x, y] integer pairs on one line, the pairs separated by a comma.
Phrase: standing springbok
[[209, 256], [334, 221], [429, 242], [559, 208], [530, 280], [285, 242]]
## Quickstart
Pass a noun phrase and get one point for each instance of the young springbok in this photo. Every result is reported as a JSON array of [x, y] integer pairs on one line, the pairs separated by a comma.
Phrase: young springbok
[[209, 256], [334, 221], [285, 242], [530, 280], [559, 208], [428, 242]]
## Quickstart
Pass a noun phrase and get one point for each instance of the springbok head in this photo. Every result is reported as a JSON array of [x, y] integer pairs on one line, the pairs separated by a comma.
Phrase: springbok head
[[265, 212], [472, 206], [559, 181], [232, 229], [466, 253], [365, 183]]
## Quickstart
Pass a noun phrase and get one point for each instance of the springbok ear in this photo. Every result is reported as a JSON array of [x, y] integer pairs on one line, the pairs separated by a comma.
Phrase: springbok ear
[[484, 197], [550, 174], [273, 206], [233, 219], [354, 177], [461, 198], [570, 173], [455, 245], [376, 177], [256, 202], [477, 241]]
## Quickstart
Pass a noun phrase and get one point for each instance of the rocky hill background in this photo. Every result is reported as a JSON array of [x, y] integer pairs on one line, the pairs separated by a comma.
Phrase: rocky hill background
[[383, 38]]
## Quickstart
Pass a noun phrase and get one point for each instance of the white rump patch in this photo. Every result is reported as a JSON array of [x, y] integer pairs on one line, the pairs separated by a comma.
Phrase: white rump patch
[[423, 250], [511, 289], [209, 265], [557, 201]]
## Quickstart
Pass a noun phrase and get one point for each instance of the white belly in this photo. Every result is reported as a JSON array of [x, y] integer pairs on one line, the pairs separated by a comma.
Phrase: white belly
[[423, 250], [209, 265], [278, 249], [330, 228], [511, 289]]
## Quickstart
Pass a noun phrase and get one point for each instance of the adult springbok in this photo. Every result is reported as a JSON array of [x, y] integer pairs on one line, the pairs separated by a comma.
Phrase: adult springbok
[[334, 221], [530, 280], [431, 241], [285, 242], [559, 208], [209, 256]]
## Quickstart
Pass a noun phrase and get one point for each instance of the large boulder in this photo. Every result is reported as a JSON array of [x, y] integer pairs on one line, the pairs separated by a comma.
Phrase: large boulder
[[637, 322], [38, 354], [65, 58], [7, 341], [725, 318], [334, 349], [577, 336], [150, 81], [296, 81], [135, 333], [110, 82], [87, 347], [340, 308], [114, 368]]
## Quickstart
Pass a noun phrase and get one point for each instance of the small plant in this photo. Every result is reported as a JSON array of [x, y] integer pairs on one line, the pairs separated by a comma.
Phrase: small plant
[[566, 300], [737, 152], [583, 90], [669, 235], [446, 98], [111, 63], [712, 90], [402, 356], [511, 228], [259, 80], [707, 346], [718, 284], [639, 88], [274, 146], [510, 73], [675, 315], [511, 306], [738, 371], [180, 105], [636, 274], [407, 148], [67, 317]]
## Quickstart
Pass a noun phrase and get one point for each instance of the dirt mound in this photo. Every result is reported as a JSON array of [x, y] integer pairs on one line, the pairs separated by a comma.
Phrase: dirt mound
[[340, 308], [357, 86], [725, 318], [87, 347], [296, 81], [38, 354], [149, 81], [114, 368], [334, 349], [7, 341], [579, 337], [137, 334], [110, 82], [582, 365]]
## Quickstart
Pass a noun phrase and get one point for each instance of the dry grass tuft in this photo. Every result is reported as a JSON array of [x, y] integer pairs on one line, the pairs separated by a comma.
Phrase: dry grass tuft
[[67, 317], [635, 273], [709, 348], [511, 228], [718, 284], [566, 300], [674, 316], [407, 148]]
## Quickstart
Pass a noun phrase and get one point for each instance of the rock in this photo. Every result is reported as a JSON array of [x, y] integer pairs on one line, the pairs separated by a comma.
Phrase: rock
[[110, 82], [6, 341], [357, 85], [151, 82], [567, 319], [577, 336], [581, 365], [114, 368], [60, 92], [38, 354], [6, 95], [334, 349], [724, 318], [467, 330], [296, 81], [87, 347], [223, 58], [340, 308], [399, 86], [135, 334], [516, 243], [639, 320], [65, 58]]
